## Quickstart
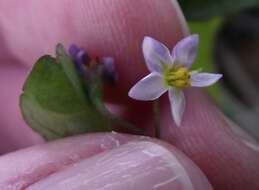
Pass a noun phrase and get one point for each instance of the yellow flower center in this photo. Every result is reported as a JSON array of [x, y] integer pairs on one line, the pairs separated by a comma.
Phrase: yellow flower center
[[177, 76]]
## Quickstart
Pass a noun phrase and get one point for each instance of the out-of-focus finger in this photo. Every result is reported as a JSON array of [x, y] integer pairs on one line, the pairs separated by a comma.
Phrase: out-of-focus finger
[[22, 168], [135, 165]]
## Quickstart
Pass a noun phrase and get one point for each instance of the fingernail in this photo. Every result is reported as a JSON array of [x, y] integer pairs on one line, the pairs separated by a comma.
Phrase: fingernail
[[137, 165], [22, 168]]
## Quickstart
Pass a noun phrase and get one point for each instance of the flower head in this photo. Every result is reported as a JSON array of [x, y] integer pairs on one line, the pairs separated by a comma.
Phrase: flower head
[[170, 71]]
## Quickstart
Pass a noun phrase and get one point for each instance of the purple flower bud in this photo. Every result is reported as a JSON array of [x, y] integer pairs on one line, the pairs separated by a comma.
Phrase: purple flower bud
[[79, 57], [82, 57], [73, 50], [102, 67], [109, 72]]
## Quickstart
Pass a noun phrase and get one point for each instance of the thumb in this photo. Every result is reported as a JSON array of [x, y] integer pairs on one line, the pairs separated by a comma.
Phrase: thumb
[[107, 161]]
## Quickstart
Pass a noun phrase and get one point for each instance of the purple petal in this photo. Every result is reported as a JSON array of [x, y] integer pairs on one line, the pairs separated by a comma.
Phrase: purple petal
[[82, 57], [177, 101], [156, 54], [149, 88], [79, 55], [204, 79], [73, 50], [185, 50]]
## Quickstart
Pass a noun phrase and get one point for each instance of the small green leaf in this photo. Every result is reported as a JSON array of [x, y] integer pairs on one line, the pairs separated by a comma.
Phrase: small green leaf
[[70, 70], [53, 102]]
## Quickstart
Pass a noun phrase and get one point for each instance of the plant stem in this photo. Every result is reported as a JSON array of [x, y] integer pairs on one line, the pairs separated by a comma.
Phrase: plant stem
[[156, 112], [124, 124]]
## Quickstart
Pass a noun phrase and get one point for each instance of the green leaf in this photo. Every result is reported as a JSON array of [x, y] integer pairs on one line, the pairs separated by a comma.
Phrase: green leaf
[[53, 102], [70, 70], [206, 9]]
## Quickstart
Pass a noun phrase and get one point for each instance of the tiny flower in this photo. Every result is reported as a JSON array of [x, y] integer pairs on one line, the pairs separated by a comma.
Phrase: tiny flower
[[171, 72]]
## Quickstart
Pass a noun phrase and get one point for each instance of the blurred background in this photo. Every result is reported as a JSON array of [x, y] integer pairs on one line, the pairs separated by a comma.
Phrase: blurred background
[[229, 32]]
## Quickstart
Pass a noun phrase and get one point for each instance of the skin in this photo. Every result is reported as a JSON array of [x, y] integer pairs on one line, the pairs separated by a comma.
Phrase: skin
[[214, 147]]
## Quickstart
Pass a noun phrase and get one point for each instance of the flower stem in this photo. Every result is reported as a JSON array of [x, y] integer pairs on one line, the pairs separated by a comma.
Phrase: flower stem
[[156, 112], [120, 122], [126, 125]]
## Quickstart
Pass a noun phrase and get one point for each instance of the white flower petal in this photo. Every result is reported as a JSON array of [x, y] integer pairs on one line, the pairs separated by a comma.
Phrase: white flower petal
[[204, 79], [177, 101], [185, 50], [149, 88], [156, 54]]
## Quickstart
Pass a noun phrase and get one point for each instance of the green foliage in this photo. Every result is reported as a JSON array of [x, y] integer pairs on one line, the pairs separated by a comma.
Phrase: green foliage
[[54, 102], [206, 9], [57, 102]]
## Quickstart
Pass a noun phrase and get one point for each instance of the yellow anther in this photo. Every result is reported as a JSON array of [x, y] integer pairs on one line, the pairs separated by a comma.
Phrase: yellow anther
[[177, 77], [180, 83], [182, 73]]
